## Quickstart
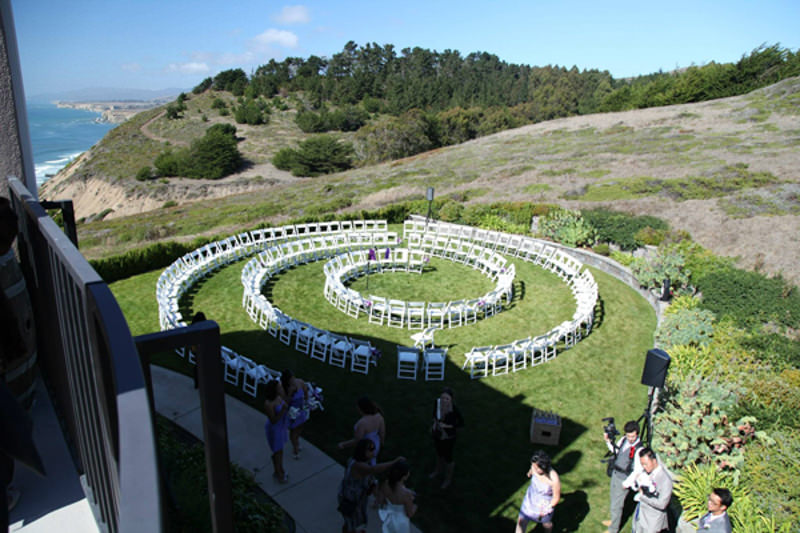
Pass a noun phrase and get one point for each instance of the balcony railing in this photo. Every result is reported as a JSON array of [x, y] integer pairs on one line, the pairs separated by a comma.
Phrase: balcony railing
[[94, 373]]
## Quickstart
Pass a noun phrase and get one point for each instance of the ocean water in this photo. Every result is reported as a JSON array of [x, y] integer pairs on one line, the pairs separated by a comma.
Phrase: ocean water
[[60, 135]]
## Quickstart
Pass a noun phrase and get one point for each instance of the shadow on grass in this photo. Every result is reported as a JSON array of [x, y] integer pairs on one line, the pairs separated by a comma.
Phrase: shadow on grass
[[492, 453]]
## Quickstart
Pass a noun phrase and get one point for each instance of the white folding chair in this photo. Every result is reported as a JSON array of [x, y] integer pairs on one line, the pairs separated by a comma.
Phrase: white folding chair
[[377, 309], [233, 365], [437, 312], [321, 345], [415, 313], [424, 338], [407, 362], [397, 313], [305, 336], [499, 359], [478, 360], [253, 375], [455, 315], [340, 349], [433, 361], [361, 356]]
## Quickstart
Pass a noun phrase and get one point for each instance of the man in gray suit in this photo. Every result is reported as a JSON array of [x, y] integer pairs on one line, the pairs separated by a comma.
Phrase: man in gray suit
[[655, 491], [717, 520]]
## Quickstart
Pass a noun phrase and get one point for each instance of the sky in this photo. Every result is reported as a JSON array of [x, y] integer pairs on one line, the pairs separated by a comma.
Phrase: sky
[[144, 44]]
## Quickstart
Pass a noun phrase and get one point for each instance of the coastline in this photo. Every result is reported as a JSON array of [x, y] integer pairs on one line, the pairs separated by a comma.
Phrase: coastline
[[112, 112]]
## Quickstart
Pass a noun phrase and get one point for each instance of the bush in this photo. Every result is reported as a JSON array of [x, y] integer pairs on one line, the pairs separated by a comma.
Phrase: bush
[[223, 129], [602, 249], [157, 255], [213, 156], [250, 113], [203, 86], [451, 211], [317, 155], [167, 163], [692, 327], [694, 426], [770, 472], [567, 227], [751, 298], [218, 103], [649, 236], [395, 137], [144, 174], [668, 263], [621, 228]]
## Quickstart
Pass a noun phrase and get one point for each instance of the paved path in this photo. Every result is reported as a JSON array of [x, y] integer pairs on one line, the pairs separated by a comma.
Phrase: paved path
[[310, 495]]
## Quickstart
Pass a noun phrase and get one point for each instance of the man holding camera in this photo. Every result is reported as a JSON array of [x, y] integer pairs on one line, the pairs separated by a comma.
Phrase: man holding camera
[[655, 490], [624, 469]]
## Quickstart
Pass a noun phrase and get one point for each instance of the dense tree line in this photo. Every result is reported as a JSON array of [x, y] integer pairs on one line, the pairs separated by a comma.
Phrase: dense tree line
[[435, 98]]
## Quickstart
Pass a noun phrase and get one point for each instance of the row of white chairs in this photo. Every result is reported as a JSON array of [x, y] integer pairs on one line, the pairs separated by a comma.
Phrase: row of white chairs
[[316, 240], [494, 360], [413, 315]]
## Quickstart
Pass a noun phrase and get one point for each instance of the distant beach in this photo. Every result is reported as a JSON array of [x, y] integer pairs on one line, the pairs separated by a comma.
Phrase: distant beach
[[59, 135]]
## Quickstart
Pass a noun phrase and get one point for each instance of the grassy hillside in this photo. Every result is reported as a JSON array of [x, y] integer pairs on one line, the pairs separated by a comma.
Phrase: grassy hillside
[[720, 168]]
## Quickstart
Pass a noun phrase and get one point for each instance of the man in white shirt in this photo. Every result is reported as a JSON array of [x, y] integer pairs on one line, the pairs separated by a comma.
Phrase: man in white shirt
[[625, 468], [655, 491], [717, 520]]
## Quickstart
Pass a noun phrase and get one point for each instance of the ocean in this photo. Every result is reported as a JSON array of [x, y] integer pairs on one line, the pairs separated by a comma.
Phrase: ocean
[[60, 135]]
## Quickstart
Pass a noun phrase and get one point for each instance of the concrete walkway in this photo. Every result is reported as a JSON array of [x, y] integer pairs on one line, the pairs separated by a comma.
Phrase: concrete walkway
[[309, 496]]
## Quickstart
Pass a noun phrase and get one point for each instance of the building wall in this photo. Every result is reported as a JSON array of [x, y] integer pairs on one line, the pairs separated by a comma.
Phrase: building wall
[[16, 155]]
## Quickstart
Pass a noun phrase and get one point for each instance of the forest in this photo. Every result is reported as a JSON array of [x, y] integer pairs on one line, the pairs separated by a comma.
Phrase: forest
[[401, 104]]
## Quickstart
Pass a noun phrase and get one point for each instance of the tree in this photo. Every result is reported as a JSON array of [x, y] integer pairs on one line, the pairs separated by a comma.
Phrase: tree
[[321, 154]]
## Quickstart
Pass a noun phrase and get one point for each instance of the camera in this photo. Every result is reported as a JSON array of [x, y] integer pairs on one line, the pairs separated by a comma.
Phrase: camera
[[610, 429]]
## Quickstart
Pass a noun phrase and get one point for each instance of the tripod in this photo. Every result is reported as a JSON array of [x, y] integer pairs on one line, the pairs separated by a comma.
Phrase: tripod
[[646, 434]]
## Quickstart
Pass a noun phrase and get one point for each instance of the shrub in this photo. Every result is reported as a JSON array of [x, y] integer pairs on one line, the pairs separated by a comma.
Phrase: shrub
[[567, 227], [770, 471], [773, 397], [451, 211], [695, 484], [250, 113], [144, 174], [317, 155], [751, 298], [213, 156], [649, 236], [167, 163], [601, 249], [157, 255], [169, 203], [694, 427], [395, 137], [223, 129], [622, 228], [218, 103], [203, 86], [623, 258], [668, 263], [284, 159], [311, 122], [692, 327]]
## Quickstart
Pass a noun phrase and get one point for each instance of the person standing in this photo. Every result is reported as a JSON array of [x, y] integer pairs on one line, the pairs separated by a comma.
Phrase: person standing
[[276, 427], [446, 420], [398, 500], [655, 490], [297, 396], [357, 484], [625, 468], [369, 426], [717, 519], [542, 495]]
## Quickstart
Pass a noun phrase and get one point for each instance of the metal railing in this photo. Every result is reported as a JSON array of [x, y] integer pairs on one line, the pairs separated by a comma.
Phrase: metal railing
[[93, 369]]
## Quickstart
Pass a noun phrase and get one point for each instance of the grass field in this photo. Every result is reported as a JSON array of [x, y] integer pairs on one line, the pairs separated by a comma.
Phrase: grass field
[[597, 378]]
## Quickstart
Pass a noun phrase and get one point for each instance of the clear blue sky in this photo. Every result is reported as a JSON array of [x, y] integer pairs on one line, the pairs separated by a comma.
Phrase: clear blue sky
[[156, 44]]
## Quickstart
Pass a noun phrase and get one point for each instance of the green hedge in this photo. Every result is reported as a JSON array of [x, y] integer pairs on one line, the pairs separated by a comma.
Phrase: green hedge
[[750, 298], [621, 228], [133, 262]]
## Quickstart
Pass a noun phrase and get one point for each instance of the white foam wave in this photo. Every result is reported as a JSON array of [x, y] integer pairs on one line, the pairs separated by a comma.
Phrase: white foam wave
[[44, 171]]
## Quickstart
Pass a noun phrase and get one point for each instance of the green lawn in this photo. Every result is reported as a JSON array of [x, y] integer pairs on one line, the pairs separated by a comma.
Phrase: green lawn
[[597, 378]]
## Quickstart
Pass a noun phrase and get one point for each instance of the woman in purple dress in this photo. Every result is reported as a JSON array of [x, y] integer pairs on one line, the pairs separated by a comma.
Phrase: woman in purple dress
[[276, 427], [297, 395], [542, 496], [370, 426]]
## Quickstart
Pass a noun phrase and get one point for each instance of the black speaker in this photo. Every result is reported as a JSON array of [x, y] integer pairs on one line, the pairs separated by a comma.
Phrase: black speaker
[[655, 368]]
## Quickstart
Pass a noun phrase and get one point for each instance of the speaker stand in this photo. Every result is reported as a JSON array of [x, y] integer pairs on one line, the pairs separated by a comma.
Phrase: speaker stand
[[646, 436]]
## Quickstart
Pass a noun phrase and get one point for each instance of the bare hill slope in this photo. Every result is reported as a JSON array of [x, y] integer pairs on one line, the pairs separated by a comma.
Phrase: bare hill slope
[[725, 170]]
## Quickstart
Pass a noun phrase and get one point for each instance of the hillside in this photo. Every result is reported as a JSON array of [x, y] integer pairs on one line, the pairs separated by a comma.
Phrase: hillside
[[723, 170]]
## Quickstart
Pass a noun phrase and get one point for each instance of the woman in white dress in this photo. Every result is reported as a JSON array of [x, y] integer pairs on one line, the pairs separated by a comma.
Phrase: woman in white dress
[[398, 500]]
